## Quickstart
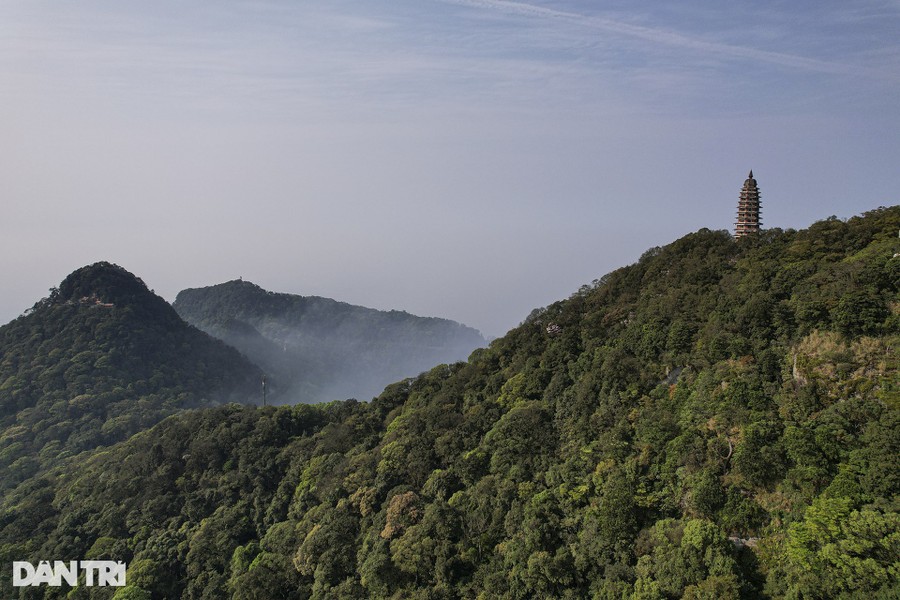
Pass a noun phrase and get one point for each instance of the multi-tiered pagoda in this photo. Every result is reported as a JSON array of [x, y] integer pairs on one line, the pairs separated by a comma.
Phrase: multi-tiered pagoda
[[748, 209]]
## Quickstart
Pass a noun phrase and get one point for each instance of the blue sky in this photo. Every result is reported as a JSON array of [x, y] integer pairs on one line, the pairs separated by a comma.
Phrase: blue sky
[[471, 159]]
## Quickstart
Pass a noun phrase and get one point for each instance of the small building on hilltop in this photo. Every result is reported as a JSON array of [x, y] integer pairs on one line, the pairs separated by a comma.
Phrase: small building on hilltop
[[748, 210]]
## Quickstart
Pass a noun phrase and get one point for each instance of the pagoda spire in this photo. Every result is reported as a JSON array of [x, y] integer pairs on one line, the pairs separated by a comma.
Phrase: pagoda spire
[[748, 210]]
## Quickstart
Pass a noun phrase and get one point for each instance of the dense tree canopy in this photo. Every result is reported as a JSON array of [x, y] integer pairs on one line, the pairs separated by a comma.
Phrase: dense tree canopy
[[97, 361], [718, 420]]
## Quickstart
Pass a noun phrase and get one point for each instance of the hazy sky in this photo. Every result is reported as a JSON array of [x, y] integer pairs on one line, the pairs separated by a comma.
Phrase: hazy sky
[[471, 159]]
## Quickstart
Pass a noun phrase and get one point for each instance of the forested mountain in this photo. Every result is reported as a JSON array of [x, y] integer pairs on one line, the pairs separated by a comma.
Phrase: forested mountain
[[318, 349], [98, 360], [718, 420]]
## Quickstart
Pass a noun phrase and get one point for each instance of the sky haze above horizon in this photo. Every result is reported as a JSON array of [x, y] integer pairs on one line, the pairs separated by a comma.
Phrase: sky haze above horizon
[[466, 159]]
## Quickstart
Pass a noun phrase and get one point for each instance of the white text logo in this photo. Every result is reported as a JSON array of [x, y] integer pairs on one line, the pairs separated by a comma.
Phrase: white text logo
[[96, 572]]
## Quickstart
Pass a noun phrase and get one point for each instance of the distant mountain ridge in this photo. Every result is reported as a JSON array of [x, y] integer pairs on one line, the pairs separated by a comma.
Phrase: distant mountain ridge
[[319, 349]]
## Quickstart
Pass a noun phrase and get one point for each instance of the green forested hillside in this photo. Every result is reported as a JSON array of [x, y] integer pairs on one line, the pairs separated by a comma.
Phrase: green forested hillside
[[98, 360], [718, 420], [318, 349]]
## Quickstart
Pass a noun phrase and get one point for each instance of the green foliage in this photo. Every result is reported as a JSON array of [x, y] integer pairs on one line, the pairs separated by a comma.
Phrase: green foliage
[[689, 559], [131, 592], [99, 360], [838, 550], [718, 420]]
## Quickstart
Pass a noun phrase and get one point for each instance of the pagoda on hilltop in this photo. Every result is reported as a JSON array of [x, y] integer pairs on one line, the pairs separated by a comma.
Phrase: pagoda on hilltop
[[748, 209]]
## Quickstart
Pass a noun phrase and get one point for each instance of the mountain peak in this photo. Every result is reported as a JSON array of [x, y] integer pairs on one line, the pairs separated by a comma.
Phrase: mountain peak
[[108, 285], [105, 281], [318, 349]]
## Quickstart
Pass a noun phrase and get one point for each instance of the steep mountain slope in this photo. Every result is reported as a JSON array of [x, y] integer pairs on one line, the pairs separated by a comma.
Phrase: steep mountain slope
[[98, 360], [317, 349], [718, 420]]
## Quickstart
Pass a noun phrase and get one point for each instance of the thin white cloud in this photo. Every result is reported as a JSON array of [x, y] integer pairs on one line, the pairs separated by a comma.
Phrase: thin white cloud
[[675, 39], [319, 58]]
